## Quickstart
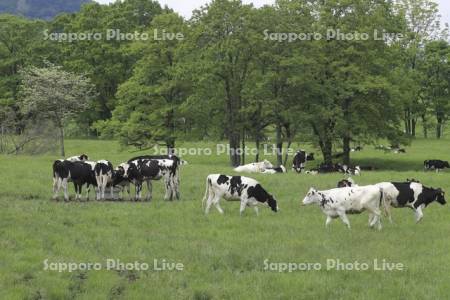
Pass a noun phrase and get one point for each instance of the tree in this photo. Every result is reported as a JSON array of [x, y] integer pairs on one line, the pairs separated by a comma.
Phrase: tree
[[54, 94]]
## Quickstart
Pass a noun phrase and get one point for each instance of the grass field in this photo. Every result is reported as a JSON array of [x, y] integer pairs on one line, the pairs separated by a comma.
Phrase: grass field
[[223, 256]]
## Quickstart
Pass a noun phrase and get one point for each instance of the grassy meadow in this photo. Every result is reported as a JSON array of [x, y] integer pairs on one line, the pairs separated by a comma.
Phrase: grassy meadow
[[223, 256]]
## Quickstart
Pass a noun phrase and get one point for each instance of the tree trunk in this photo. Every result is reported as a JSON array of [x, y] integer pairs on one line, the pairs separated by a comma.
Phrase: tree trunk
[[235, 140], [279, 145], [61, 141], [413, 127], [346, 150], [425, 126], [439, 128], [257, 142], [327, 151], [243, 148]]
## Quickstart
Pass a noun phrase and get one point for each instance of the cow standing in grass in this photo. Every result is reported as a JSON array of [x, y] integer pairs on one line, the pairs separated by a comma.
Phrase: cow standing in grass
[[58, 168], [236, 188], [78, 172], [435, 164], [337, 203], [410, 194], [104, 176]]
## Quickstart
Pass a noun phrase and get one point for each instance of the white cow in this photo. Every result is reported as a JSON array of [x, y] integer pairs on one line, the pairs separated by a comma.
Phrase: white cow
[[258, 167], [238, 188], [341, 201]]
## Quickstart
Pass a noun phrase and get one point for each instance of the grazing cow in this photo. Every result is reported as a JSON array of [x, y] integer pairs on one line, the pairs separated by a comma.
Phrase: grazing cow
[[349, 182], [300, 159], [435, 164], [104, 176], [280, 169], [357, 148], [171, 172], [348, 200], [79, 172], [239, 188], [257, 167], [410, 194]]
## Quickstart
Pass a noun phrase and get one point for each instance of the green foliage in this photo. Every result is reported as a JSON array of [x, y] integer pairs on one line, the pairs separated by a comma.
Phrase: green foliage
[[40, 9]]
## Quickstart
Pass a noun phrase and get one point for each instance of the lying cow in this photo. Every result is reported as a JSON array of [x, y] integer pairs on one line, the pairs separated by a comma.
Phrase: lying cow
[[410, 194], [349, 182], [340, 201], [435, 164], [103, 170], [239, 188], [300, 159], [280, 169], [257, 167]]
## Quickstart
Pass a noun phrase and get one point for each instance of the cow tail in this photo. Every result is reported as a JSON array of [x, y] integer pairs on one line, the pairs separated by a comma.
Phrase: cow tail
[[208, 187]]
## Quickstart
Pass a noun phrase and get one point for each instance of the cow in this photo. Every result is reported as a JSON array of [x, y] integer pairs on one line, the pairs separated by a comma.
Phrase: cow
[[280, 169], [104, 176], [300, 159], [119, 181], [348, 200], [349, 182], [142, 170], [56, 179], [79, 172], [356, 149], [410, 194], [435, 164], [236, 188], [257, 167], [171, 173]]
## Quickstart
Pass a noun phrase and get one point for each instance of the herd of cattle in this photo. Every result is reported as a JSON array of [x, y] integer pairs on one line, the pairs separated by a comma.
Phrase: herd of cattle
[[347, 198]]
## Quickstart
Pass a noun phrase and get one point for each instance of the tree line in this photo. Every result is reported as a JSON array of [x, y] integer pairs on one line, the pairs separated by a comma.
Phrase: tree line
[[228, 79]]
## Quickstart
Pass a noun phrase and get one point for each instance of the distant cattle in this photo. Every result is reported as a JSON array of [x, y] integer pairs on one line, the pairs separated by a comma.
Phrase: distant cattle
[[238, 188], [300, 159], [104, 176], [337, 203], [280, 169], [79, 172], [435, 164], [356, 149], [331, 168], [257, 167], [410, 194], [394, 149]]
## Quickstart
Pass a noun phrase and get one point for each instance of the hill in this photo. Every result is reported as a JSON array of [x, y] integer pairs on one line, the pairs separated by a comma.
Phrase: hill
[[41, 9]]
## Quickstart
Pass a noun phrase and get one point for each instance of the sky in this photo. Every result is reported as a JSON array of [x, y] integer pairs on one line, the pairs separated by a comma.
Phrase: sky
[[185, 7]]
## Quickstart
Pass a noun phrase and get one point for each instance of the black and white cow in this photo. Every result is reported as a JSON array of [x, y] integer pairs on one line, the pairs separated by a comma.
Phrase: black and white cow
[[337, 203], [410, 194], [170, 165], [142, 170], [119, 181], [104, 176], [236, 188], [346, 183], [78, 172], [280, 169], [56, 179], [300, 159], [435, 164]]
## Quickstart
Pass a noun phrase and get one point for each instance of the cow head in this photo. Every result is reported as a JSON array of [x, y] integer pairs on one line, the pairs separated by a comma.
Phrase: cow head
[[272, 203], [440, 196], [345, 183], [83, 157], [446, 164], [312, 196], [124, 169], [267, 164]]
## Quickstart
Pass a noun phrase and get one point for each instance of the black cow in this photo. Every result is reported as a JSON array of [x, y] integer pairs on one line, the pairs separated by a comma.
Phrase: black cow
[[410, 194], [300, 159], [435, 164], [79, 172]]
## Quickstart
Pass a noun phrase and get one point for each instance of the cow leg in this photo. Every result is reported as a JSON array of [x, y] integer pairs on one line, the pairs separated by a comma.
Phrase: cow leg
[[112, 192], [243, 205], [328, 221], [217, 205], [149, 193], [209, 202], [256, 209], [64, 186], [344, 218], [419, 213], [56, 187]]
